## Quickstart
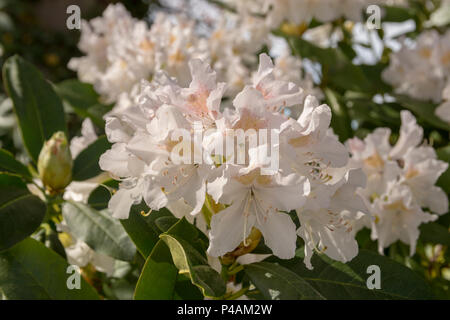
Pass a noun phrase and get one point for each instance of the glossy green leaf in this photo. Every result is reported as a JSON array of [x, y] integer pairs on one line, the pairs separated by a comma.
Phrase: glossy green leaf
[[336, 280], [85, 165], [337, 69], [158, 277], [397, 14], [188, 245], [143, 230], [340, 122], [99, 197], [82, 99], [99, 230], [21, 213], [179, 253], [30, 271], [10, 164], [278, 283], [38, 108]]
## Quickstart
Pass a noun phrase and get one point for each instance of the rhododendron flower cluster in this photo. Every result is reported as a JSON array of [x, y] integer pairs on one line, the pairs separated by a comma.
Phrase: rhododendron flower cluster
[[120, 51], [311, 179], [401, 181]]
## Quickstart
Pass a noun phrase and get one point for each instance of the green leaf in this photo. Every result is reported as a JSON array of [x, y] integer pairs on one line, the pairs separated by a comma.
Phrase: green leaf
[[143, 231], [158, 277], [179, 253], [434, 233], [10, 164], [424, 110], [99, 230], [82, 99], [336, 280], [21, 213], [85, 165], [340, 121], [444, 180], [188, 245], [29, 270], [185, 290], [99, 197], [37, 106], [278, 283], [337, 69]]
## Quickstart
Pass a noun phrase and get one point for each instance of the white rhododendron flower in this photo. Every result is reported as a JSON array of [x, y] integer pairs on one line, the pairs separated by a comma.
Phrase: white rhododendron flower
[[328, 226], [400, 182], [443, 110], [121, 51]]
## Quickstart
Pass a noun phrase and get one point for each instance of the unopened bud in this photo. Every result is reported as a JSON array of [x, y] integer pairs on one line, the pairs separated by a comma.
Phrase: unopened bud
[[55, 163]]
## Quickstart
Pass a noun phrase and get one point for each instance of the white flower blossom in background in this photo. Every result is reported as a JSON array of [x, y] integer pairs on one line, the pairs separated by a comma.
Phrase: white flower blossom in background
[[121, 51], [422, 71], [400, 182], [80, 254]]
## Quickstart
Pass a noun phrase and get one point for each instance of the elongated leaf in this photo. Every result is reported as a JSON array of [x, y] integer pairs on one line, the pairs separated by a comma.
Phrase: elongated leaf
[[38, 108], [99, 197], [143, 230], [80, 95], [179, 253], [85, 165], [9, 164], [21, 213], [336, 280], [188, 246], [340, 121], [278, 283], [158, 277], [99, 230], [29, 270], [82, 99]]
